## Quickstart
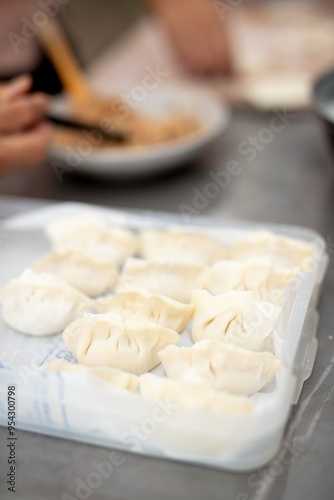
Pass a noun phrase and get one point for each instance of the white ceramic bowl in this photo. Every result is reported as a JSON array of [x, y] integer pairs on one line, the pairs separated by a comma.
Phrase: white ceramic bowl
[[212, 114]]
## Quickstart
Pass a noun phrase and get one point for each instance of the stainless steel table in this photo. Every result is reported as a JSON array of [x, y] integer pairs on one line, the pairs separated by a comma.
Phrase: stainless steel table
[[287, 182]]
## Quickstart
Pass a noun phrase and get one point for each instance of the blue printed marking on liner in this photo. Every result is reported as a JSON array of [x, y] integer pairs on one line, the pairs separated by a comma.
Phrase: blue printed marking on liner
[[67, 356], [61, 397], [6, 367], [47, 413], [55, 346], [44, 393], [37, 411]]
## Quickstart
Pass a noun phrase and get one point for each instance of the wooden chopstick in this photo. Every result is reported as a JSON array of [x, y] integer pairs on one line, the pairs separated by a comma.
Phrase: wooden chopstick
[[64, 61]]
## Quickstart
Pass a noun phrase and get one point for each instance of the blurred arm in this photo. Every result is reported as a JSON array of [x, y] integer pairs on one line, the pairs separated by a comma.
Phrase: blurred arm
[[197, 31]]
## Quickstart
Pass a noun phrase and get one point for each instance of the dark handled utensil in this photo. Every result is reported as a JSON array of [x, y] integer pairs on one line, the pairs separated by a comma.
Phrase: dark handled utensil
[[73, 79], [110, 134]]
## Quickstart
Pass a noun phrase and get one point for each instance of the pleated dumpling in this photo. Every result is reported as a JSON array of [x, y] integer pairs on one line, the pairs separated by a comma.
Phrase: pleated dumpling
[[93, 275], [173, 279], [234, 317], [109, 340], [93, 235], [282, 251], [222, 366], [41, 304], [184, 393], [161, 310], [115, 377], [181, 246], [268, 282], [60, 228]]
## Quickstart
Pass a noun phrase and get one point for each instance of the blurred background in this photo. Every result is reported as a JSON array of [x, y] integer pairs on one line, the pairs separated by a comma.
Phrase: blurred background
[[271, 44], [255, 58]]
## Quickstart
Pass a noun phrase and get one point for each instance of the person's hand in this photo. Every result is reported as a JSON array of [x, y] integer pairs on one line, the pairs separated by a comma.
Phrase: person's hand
[[198, 33], [24, 135]]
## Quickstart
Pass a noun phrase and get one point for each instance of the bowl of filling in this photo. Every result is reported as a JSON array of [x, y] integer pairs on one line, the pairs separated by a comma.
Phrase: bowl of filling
[[171, 126]]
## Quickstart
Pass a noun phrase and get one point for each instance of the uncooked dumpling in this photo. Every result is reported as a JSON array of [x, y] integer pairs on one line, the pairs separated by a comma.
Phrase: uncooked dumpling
[[282, 251], [157, 308], [116, 377], [222, 366], [194, 395], [181, 246], [91, 274], [60, 229], [92, 235], [268, 282], [41, 304], [234, 317], [172, 279], [110, 340]]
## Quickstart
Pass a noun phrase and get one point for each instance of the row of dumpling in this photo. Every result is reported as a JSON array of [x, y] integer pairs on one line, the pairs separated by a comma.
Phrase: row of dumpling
[[88, 254], [210, 375], [175, 263], [141, 330], [44, 304], [137, 330], [96, 236]]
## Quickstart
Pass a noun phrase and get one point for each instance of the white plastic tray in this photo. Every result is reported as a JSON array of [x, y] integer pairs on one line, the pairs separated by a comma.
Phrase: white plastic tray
[[85, 408]]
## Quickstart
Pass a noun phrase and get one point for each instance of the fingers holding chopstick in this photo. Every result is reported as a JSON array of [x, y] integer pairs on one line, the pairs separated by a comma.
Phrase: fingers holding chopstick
[[24, 149], [24, 133], [22, 113], [15, 88]]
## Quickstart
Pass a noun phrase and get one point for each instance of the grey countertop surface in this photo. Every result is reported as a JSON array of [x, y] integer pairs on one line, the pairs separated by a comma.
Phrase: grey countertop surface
[[289, 181]]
